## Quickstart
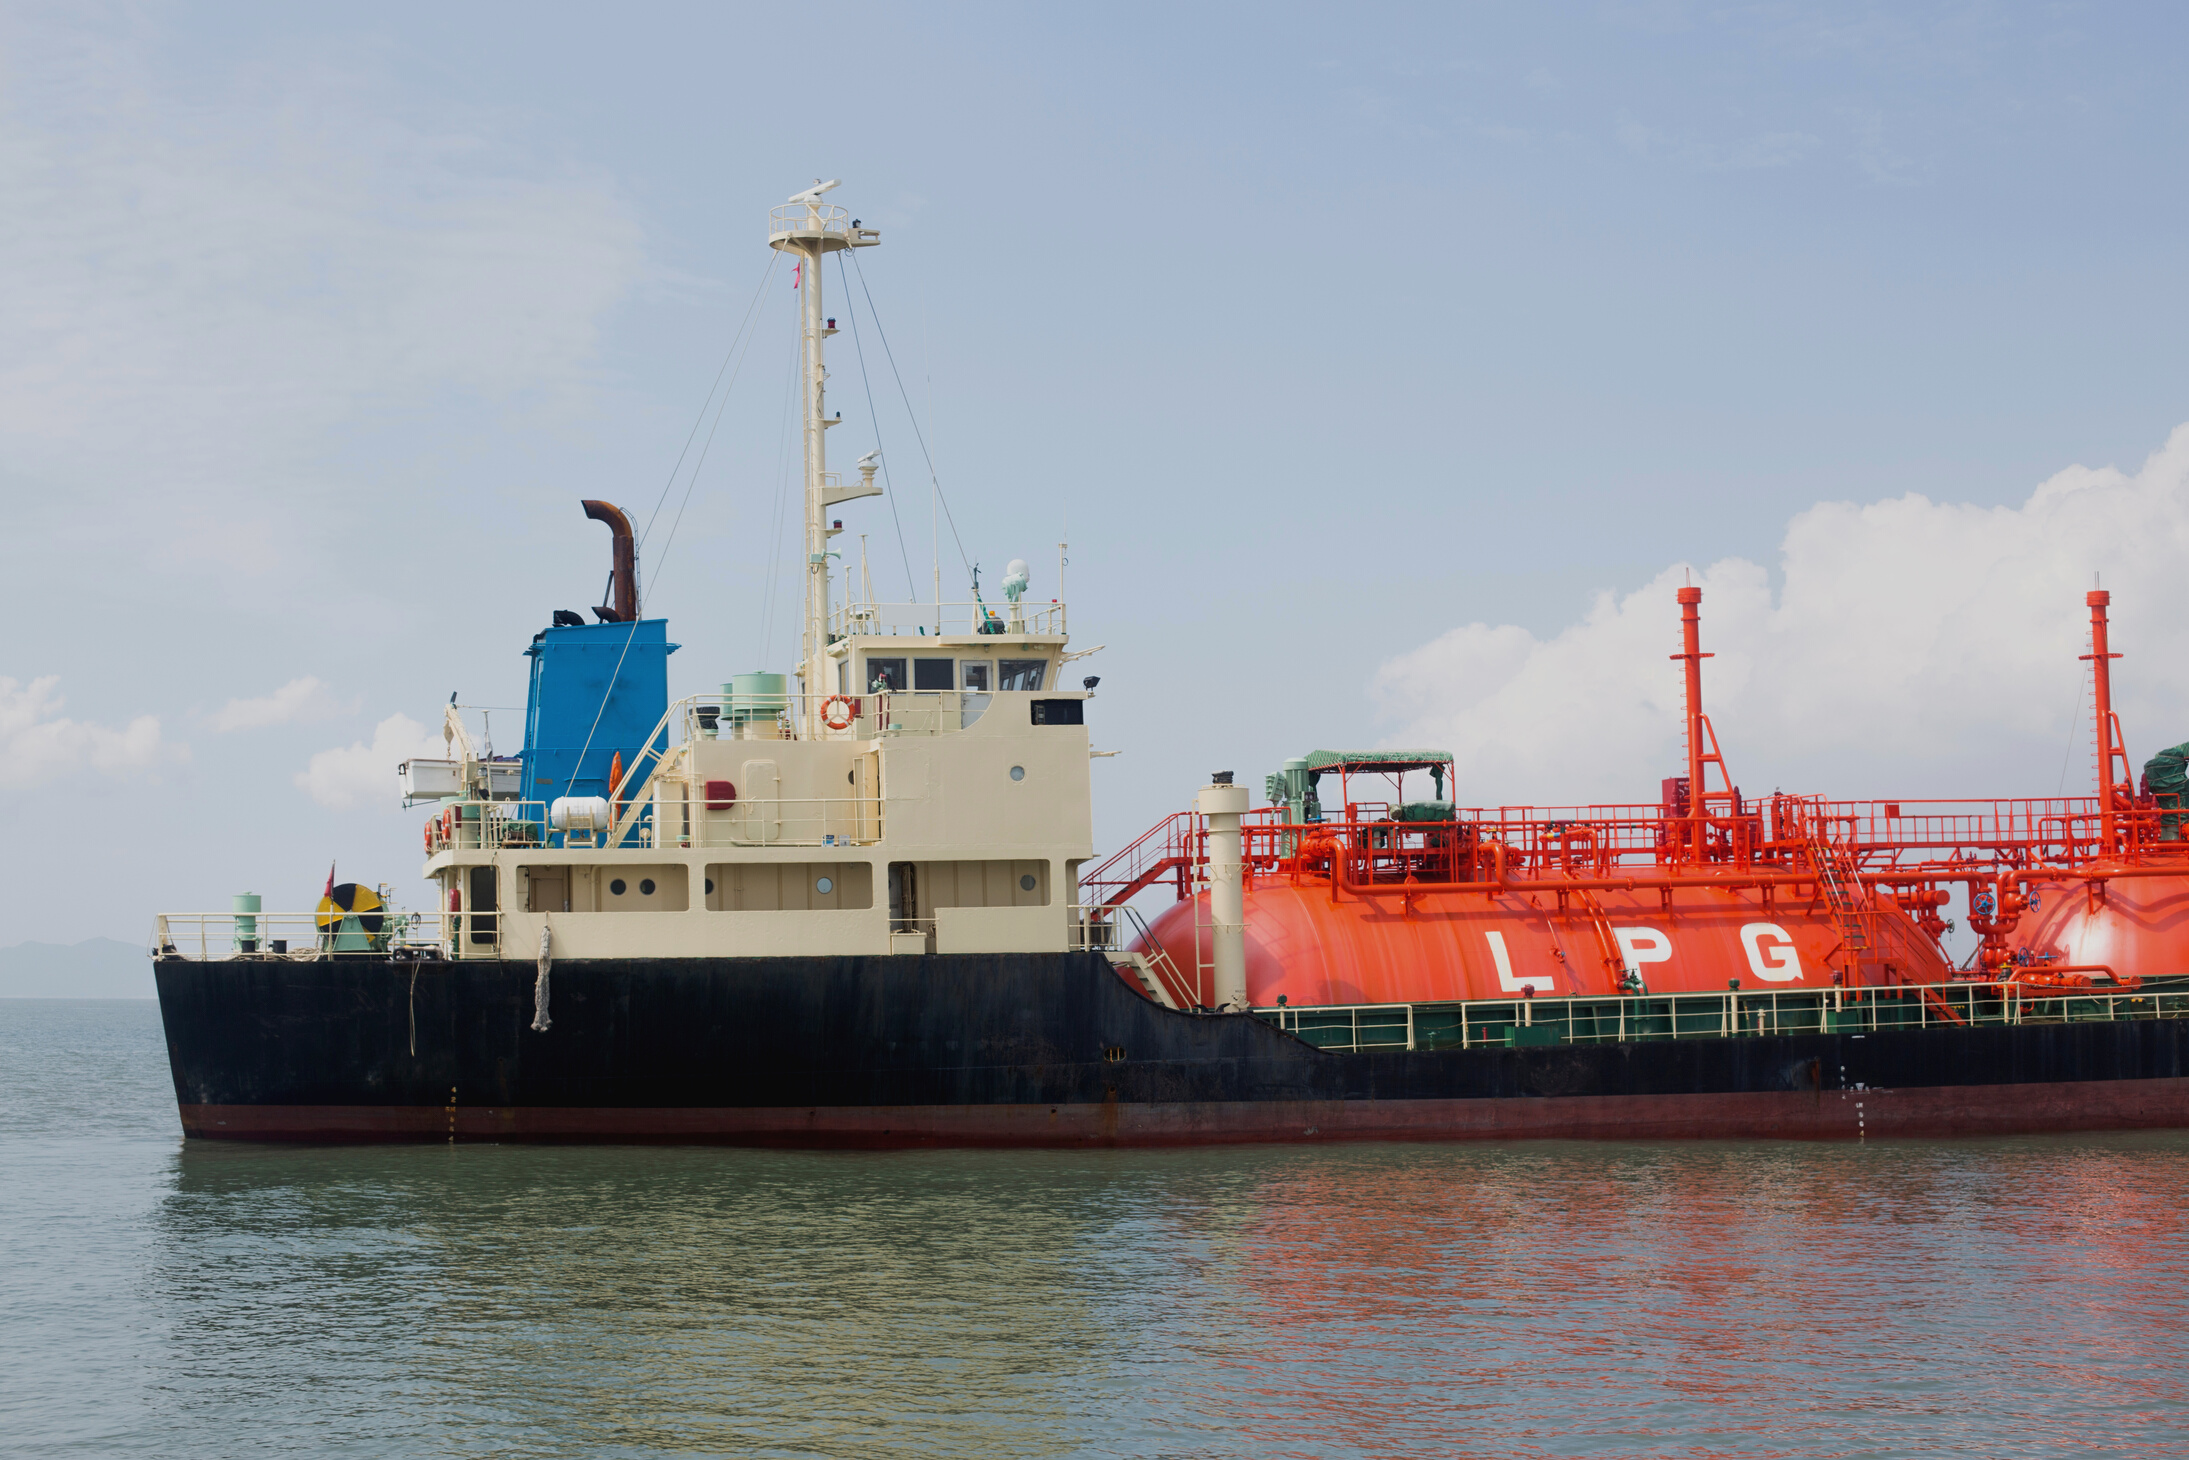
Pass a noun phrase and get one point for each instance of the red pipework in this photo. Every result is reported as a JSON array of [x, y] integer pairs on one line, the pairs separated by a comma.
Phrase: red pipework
[[2055, 980], [2008, 905], [1920, 903]]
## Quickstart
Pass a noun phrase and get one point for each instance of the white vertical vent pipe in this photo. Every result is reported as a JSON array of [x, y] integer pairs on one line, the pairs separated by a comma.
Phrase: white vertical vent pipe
[[1223, 804]]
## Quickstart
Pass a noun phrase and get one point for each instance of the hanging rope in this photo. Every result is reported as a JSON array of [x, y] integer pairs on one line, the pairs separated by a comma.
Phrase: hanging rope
[[745, 335], [917, 433], [700, 419], [707, 446], [911, 590], [605, 696], [2074, 727], [540, 1020]]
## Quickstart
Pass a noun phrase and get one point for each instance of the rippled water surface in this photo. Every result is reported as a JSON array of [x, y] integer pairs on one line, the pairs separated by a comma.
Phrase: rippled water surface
[[1996, 1298]]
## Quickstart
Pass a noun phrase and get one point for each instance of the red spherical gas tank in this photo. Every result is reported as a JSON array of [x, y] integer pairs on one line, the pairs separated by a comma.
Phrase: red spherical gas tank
[[2135, 926], [1426, 946]]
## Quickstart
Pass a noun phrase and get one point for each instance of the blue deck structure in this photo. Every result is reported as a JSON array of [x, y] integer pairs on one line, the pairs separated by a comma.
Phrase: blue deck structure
[[597, 689]]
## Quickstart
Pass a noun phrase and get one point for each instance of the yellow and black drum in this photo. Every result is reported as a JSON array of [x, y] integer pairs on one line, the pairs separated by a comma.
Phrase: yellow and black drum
[[350, 919]]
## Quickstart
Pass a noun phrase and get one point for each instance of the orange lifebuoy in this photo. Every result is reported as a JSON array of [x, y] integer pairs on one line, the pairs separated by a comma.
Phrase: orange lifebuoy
[[429, 836], [851, 711]]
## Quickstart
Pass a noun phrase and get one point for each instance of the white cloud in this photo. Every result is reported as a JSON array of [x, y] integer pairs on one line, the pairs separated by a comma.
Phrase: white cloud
[[39, 745], [344, 777], [299, 699], [1912, 648]]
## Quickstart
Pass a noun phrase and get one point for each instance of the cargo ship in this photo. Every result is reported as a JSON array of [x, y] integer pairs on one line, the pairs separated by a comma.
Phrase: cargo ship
[[858, 904]]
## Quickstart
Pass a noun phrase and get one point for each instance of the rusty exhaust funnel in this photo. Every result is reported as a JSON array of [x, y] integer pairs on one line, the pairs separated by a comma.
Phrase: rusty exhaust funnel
[[626, 563]]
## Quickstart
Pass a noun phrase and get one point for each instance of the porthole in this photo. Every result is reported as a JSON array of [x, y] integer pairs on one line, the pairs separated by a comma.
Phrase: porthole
[[616, 887], [823, 885], [1026, 882], [646, 887], [1018, 773]]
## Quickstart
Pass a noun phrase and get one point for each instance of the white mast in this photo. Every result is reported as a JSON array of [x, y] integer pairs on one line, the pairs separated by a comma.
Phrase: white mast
[[812, 230]]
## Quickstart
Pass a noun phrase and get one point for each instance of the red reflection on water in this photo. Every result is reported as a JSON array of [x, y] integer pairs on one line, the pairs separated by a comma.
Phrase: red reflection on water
[[1758, 1299]]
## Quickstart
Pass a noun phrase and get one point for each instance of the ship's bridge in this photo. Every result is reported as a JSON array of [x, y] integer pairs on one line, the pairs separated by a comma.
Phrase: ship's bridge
[[927, 669]]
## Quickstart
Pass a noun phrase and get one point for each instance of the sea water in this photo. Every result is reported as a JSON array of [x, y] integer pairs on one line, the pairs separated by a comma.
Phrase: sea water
[[1982, 1298]]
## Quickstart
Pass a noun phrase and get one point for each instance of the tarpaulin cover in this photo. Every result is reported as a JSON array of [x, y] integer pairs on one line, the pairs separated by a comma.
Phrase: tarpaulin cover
[[2166, 775], [1355, 762]]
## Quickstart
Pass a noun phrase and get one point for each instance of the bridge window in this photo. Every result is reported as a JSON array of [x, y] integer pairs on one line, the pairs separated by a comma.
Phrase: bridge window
[[976, 675], [1022, 674], [933, 674], [883, 674]]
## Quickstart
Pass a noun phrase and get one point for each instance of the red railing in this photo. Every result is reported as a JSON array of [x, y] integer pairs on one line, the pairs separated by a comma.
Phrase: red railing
[[1159, 852], [1889, 842]]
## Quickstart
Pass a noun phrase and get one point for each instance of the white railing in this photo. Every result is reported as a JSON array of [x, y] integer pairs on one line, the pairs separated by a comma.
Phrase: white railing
[[923, 711], [485, 825], [1094, 930], [808, 219], [1106, 928], [664, 781], [819, 821], [916, 620], [849, 715], [680, 819], [304, 937], [1594, 1019]]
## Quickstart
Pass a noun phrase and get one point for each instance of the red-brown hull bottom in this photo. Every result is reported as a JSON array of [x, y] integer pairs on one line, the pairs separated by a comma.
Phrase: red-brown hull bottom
[[1960, 1110]]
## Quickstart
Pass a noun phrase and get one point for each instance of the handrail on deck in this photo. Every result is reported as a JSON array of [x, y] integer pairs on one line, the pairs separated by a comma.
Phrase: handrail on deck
[[1619, 1018]]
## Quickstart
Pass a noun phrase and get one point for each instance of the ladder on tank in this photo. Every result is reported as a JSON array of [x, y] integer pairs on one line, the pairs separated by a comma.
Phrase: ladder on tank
[[1835, 869]]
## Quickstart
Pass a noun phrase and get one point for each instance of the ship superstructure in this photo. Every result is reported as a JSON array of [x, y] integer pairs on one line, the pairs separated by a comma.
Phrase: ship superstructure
[[918, 785]]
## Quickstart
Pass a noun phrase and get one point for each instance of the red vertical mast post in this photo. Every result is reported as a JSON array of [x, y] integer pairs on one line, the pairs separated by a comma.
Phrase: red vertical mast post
[[1691, 650], [2109, 746]]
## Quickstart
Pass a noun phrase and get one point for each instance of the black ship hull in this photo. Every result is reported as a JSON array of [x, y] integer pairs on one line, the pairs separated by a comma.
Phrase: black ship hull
[[1040, 1050]]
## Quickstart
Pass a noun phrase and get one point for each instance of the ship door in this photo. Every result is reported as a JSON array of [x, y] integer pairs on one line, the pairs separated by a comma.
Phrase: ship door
[[908, 932], [485, 926], [866, 773], [548, 889], [762, 801]]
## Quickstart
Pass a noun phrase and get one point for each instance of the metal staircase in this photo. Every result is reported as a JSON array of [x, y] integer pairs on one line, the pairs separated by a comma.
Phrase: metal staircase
[[1849, 901]]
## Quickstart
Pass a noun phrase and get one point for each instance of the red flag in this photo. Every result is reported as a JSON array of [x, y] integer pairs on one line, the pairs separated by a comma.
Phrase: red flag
[[798, 274], [330, 881]]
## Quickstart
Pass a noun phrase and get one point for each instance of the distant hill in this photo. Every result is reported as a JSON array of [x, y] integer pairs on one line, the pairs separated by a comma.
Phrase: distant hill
[[97, 968]]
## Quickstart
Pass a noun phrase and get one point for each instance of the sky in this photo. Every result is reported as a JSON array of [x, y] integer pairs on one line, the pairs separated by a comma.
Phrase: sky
[[1386, 369]]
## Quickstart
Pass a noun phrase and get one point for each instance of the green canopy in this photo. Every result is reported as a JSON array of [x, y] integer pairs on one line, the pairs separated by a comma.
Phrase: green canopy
[[1361, 762]]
